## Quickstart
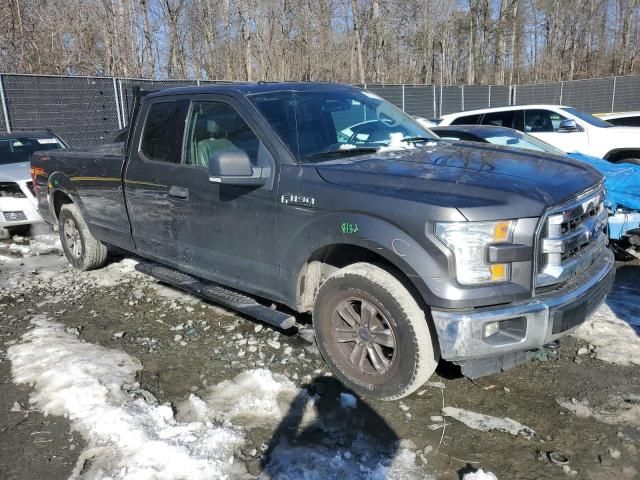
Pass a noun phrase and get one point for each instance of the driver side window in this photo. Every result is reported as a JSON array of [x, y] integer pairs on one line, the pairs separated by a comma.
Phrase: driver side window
[[542, 121], [215, 126]]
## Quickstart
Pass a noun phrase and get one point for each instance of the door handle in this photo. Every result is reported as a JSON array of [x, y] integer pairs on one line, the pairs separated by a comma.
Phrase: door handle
[[179, 192]]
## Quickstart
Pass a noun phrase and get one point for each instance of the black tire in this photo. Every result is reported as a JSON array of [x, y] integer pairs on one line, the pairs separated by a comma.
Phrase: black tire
[[386, 315], [81, 248], [632, 161]]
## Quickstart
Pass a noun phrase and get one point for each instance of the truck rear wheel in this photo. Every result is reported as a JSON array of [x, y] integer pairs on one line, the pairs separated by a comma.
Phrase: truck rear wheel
[[81, 248], [372, 333]]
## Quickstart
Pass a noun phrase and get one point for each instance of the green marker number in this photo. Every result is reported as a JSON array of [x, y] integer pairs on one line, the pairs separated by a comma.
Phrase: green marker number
[[349, 228]]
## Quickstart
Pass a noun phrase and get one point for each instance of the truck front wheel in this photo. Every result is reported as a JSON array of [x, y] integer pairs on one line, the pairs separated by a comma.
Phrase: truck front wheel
[[81, 248], [372, 333]]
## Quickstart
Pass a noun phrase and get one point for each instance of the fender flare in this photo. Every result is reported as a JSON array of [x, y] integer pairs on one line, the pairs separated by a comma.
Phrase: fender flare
[[379, 236], [59, 182]]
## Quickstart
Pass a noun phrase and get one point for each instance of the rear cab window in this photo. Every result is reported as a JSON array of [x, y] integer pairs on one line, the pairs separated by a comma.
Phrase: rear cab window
[[161, 137]]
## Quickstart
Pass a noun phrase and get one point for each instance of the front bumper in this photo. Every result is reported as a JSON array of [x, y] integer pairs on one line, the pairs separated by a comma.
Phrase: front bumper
[[527, 325]]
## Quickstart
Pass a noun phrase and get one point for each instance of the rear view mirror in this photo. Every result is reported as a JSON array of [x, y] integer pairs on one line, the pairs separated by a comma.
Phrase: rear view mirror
[[568, 125], [233, 167], [336, 105]]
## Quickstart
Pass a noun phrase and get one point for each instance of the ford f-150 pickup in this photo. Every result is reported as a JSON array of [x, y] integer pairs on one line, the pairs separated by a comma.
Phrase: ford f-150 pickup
[[405, 249]]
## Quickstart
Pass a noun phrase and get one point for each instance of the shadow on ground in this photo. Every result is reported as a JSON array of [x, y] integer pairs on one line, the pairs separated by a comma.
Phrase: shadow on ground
[[332, 444]]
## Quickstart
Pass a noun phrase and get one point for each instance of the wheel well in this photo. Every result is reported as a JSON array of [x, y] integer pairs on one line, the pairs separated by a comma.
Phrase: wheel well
[[326, 260], [59, 199], [614, 156]]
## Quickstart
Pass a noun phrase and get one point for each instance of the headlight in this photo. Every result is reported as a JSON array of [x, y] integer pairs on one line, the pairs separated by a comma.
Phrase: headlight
[[468, 242], [11, 190]]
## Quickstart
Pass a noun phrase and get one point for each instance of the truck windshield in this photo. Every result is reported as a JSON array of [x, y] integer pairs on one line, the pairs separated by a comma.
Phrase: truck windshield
[[595, 121], [324, 125], [19, 149]]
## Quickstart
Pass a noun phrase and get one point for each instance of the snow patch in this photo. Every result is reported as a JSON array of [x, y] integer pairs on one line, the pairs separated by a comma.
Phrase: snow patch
[[254, 397], [396, 143], [348, 401], [614, 328], [479, 475], [127, 438], [44, 244], [618, 411], [484, 423], [113, 274]]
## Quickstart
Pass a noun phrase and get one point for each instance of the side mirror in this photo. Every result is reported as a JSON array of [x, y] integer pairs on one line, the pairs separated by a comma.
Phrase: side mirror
[[568, 125], [234, 167]]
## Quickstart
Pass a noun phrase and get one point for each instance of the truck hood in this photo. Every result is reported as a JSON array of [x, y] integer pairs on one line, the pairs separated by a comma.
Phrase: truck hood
[[484, 182], [15, 172]]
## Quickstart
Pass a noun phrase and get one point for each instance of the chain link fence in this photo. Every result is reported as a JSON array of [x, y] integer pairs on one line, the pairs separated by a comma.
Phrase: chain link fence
[[82, 110], [86, 111]]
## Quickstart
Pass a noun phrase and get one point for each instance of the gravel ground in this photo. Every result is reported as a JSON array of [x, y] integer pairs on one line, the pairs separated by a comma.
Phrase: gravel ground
[[577, 405]]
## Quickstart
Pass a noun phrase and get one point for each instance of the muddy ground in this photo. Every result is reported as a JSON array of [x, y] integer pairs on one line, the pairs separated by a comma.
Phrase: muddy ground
[[187, 345]]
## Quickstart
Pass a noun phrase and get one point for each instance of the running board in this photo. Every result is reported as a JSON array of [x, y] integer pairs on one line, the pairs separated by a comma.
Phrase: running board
[[218, 294]]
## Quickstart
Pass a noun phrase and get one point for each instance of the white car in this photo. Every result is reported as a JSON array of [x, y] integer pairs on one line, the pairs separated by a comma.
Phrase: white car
[[565, 128], [622, 119], [426, 123], [17, 200]]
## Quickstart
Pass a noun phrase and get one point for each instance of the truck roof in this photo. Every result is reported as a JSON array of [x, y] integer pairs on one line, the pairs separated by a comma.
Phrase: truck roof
[[252, 87]]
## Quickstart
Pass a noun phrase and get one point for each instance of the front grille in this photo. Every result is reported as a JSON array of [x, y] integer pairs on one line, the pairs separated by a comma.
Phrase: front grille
[[571, 237], [14, 216], [542, 257]]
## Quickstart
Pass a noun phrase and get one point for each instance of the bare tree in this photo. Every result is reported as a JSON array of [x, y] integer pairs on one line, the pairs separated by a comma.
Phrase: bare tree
[[384, 41]]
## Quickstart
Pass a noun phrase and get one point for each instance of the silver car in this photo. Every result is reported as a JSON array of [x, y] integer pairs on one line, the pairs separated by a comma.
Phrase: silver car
[[17, 198]]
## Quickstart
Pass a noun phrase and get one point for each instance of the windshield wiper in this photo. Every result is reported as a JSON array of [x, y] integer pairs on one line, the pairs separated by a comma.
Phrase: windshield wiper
[[345, 151], [419, 139]]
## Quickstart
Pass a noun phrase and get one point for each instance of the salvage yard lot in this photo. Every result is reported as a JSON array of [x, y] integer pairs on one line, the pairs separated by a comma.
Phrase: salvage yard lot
[[139, 379]]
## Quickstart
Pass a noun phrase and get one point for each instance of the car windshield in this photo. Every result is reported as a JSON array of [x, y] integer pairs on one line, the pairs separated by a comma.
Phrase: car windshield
[[19, 149], [595, 121], [324, 125], [521, 140]]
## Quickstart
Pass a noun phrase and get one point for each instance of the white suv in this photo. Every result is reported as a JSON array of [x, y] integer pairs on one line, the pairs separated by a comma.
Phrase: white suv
[[563, 127]]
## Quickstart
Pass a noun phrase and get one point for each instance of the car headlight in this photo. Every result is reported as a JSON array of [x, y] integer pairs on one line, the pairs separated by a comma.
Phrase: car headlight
[[11, 190], [468, 241]]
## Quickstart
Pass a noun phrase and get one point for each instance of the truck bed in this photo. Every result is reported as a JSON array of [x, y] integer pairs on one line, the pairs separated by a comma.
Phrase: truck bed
[[92, 178]]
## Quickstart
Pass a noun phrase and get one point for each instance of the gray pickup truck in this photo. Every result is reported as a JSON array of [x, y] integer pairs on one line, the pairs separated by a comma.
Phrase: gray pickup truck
[[281, 198]]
